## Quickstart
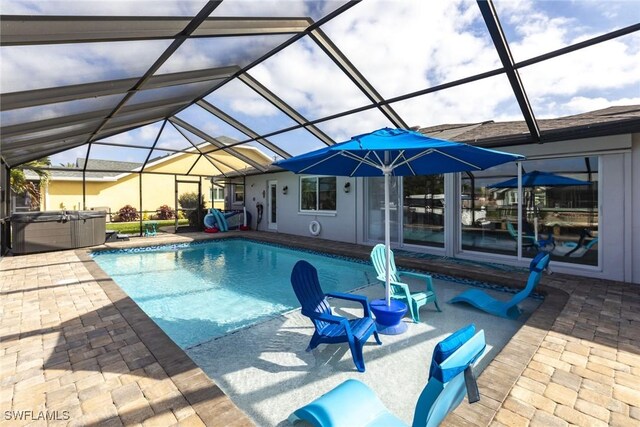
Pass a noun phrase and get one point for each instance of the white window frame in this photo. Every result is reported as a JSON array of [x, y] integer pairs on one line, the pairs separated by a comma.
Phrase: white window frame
[[219, 192], [234, 192], [316, 210]]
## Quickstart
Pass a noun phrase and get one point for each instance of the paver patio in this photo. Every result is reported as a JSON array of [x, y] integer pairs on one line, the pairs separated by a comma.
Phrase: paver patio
[[76, 348]]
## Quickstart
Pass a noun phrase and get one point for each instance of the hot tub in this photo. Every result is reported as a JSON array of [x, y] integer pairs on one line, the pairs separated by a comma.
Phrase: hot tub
[[56, 230]]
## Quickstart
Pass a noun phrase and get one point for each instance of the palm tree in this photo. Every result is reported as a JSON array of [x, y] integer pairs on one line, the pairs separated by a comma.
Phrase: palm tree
[[20, 184]]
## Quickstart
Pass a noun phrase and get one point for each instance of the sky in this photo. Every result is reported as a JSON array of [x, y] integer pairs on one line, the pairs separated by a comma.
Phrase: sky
[[399, 46]]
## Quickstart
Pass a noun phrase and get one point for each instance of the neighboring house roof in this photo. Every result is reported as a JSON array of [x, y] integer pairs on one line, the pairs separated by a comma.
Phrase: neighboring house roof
[[608, 121], [111, 170]]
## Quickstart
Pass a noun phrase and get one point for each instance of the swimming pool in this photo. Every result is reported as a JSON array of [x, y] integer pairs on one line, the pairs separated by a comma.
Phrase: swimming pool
[[198, 292]]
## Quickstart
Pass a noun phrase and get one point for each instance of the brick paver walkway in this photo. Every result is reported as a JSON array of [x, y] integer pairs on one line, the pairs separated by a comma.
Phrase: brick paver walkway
[[76, 348]]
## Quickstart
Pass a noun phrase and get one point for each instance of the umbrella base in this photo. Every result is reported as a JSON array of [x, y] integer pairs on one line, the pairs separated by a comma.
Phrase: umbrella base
[[389, 317]]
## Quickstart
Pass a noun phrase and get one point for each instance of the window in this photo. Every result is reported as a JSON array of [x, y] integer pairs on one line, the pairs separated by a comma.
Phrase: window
[[317, 193], [217, 193], [238, 193]]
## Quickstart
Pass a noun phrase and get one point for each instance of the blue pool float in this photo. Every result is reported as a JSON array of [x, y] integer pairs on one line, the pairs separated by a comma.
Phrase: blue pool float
[[215, 218]]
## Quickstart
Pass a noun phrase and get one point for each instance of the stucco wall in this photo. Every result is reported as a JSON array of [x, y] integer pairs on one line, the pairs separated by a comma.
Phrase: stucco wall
[[619, 178], [340, 226], [157, 190], [634, 255]]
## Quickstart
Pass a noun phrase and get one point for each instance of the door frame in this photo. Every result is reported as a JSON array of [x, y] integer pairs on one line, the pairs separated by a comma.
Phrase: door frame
[[272, 191]]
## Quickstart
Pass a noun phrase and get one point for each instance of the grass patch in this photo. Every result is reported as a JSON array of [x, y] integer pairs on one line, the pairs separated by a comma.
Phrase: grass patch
[[133, 227]]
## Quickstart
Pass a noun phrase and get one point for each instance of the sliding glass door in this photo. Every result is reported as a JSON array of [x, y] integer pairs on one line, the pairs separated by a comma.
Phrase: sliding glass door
[[423, 210]]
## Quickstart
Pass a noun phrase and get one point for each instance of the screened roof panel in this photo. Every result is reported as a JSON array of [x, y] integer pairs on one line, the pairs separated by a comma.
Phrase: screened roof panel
[[42, 66], [138, 118], [185, 92], [37, 151], [270, 155], [469, 103], [60, 109], [371, 64], [315, 9], [305, 86], [431, 43], [143, 136], [205, 121], [177, 163], [103, 8], [111, 153], [205, 167], [263, 26], [534, 28], [171, 139], [297, 141], [251, 155], [343, 128], [220, 52], [57, 132], [67, 158], [21, 30], [247, 106], [584, 81]]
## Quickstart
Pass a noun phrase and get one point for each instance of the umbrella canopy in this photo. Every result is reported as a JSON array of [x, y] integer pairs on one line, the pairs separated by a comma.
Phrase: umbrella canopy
[[540, 179], [397, 152]]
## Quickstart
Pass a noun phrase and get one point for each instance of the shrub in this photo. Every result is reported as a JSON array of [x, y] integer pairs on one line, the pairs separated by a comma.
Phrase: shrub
[[165, 212], [188, 200], [128, 213]]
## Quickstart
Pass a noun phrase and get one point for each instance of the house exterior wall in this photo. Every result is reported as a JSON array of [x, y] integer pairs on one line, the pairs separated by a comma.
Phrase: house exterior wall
[[619, 180], [633, 257], [339, 226], [157, 190]]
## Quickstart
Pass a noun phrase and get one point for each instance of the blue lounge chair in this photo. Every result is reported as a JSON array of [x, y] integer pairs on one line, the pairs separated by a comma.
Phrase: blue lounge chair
[[353, 404], [400, 290], [331, 329], [528, 240], [508, 309]]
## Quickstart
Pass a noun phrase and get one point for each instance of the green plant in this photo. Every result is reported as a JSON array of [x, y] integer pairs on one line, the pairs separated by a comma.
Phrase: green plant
[[127, 213], [165, 212], [188, 200], [20, 185]]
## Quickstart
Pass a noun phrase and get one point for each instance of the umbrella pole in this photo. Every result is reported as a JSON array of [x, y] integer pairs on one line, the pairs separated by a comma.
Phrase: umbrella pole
[[387, 237]]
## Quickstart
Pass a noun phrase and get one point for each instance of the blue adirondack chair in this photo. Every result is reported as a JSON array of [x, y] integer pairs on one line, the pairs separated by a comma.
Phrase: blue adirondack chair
[[353, 404], [508, 309], [399, 289], [331, 329]]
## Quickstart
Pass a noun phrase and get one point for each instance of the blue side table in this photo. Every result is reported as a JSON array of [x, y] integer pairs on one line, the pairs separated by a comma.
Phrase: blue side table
[[389, 317]]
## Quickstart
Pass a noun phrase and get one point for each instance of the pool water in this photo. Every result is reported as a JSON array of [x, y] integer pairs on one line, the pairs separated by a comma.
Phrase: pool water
[[206, 291]]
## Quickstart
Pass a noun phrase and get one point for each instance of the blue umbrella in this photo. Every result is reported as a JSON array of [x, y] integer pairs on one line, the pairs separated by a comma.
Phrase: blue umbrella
[[397, 152], [540, 179]]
